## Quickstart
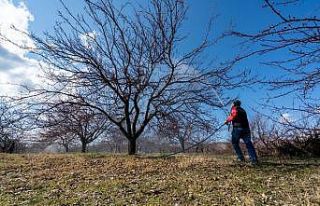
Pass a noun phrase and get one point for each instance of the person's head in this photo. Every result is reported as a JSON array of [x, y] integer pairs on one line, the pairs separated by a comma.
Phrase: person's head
[[237, 103]]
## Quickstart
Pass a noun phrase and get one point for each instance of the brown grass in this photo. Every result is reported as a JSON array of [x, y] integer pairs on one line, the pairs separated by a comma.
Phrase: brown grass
[[97, 179]]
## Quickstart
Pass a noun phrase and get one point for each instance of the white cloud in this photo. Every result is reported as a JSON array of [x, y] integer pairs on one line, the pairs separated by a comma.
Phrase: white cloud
[[286, 118], [15, 67], [88, 38], [15, 16]]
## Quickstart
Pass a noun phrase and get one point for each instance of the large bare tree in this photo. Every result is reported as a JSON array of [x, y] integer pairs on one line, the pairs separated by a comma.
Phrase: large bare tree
[[130, 64]]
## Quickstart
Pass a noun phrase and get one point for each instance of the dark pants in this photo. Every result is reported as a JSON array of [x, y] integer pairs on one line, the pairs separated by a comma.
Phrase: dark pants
[[243, 133]]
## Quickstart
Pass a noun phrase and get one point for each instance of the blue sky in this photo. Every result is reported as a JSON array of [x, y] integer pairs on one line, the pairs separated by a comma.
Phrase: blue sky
[[246, 16]]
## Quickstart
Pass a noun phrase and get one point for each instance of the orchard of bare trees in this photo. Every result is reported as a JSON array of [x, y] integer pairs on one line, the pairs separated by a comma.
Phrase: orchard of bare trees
[[114, 75]]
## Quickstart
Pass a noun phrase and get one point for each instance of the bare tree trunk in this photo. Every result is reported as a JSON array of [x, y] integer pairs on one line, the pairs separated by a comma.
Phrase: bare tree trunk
[[83, 147], [132, 146], [182, 144], [66, 148], [12, 147]]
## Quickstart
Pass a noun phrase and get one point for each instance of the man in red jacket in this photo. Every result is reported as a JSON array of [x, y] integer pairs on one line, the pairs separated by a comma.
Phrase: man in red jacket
[[241, 130]]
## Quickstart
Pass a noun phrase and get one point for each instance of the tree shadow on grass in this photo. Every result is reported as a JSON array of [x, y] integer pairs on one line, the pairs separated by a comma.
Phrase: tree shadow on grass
[[156, 157], [286, 167], [290, 164]]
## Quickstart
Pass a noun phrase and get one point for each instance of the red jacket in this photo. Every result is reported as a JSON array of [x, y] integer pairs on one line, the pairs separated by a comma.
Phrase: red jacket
[[238, 117], [232, 115]]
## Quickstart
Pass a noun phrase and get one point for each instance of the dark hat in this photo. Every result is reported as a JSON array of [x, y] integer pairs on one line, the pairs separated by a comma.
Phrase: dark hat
[[237, 103]]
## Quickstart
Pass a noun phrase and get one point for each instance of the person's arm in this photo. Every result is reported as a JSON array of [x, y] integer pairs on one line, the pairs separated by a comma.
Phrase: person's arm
[[232, 115]]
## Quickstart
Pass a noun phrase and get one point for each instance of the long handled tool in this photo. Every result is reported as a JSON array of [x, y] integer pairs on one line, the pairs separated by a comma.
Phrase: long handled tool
[[210, 135], [196, 144]]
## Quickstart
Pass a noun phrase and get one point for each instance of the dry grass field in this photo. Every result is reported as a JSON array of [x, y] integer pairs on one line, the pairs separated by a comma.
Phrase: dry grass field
[[98, 179]]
